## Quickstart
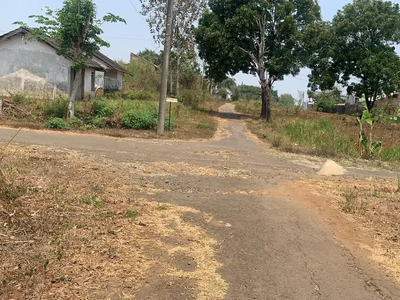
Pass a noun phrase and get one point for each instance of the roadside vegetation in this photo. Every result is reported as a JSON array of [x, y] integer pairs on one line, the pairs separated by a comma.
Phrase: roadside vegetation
[[323, 134], [129, 113]]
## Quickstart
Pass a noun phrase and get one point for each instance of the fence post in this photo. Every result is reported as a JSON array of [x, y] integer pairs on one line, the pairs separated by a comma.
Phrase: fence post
[[1, 107]]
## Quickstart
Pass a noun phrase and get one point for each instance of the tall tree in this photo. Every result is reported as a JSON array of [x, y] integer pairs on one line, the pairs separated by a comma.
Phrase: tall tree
[[357, 50], [186, 14], [76, 29], [262, 37]]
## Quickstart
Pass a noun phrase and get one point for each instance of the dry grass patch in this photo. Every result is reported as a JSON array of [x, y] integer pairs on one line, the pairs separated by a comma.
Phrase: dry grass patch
[[376, 205], [73, 228], [165, 168]]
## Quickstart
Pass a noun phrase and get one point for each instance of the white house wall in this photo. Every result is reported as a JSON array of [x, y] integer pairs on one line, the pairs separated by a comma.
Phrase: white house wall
[[32, 67]]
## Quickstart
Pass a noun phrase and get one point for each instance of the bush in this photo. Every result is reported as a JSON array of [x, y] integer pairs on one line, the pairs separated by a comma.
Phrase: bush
[[102, 108], [189, 98], [130, 95], [99, 122], [56, 123], [57, 108], [75, 123], [18, 98], [326, 101], [140, 119]]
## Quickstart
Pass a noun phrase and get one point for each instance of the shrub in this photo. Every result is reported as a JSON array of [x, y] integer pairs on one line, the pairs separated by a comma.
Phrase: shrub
[[140, 119], [326, 101], [189, 98], [130, 95], [19, 98], [57, 108], [75, 123], [102, 108], [56, 123], [99, 122]]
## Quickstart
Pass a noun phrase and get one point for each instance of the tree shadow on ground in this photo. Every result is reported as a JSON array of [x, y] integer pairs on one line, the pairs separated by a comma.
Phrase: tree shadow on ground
[[234, 116]]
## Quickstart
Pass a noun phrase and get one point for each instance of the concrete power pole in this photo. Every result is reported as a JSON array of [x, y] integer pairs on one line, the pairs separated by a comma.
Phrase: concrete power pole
[[164, 76]]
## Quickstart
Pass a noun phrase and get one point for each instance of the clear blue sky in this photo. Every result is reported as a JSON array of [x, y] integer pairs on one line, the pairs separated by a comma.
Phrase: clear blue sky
[[136, 35]]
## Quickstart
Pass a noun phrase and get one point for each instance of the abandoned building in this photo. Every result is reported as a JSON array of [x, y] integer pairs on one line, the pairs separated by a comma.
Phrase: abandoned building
[[33, 67]]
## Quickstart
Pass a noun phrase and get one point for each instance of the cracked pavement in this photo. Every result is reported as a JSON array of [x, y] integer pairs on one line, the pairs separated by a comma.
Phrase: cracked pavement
[[273, 248]]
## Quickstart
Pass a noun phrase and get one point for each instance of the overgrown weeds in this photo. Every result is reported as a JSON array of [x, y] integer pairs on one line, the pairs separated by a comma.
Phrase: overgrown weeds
[[353, 202], [322, 134]]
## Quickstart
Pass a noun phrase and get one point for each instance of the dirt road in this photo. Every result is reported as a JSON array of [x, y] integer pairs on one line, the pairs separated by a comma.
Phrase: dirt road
[[270, 247]]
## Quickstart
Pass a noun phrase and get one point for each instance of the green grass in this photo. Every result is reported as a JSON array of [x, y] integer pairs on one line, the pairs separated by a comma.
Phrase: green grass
[[320, 134], [131, 214]]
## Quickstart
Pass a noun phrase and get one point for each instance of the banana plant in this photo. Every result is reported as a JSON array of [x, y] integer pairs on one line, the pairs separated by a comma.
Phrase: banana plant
[[366, 146]]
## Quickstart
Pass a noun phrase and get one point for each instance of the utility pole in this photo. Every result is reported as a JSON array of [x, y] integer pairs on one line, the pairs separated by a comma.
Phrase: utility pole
[[164, 76]]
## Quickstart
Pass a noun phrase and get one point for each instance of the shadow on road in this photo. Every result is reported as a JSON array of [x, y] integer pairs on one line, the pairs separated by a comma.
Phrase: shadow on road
[[233, 116]]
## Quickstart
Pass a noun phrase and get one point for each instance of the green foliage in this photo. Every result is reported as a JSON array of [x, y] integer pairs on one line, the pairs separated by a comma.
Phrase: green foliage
[[19, 98], [74, 28], [319, 134], [102, 108], [326, 101], [99, 122], [286, 100], [358, 43], [56, 123], [131, 214], [390, 154], [56, 108], [237, 35], [190, 98], [146, 77], [223, 94], [131, 95], [140, 120], [75, 123], [151, 56], [367, 147]]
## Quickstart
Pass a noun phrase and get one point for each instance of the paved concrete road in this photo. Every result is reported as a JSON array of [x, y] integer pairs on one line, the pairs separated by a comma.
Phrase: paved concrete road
[[272, 248]]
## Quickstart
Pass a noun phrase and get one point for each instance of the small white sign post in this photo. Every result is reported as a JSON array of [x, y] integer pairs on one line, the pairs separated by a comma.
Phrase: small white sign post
[[171, 100]]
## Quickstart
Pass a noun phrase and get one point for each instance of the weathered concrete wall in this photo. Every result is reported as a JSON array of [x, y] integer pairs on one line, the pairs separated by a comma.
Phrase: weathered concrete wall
[[32, 67]]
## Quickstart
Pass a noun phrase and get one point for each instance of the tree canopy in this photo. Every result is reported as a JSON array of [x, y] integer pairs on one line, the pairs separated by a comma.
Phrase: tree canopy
[[185, 14], [260, 37], [76, 29], [357, 50]]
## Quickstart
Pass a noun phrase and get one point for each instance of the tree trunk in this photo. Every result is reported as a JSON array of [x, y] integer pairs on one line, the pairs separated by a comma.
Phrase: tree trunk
[[265, 101], [370, 103], [75, 87]]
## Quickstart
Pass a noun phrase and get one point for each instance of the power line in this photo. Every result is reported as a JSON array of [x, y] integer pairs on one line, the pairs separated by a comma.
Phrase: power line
[[298, 78], [127, 38], [135, 8]]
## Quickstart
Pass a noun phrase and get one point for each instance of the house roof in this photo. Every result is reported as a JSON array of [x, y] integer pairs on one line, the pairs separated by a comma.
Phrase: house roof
[[104, 63]]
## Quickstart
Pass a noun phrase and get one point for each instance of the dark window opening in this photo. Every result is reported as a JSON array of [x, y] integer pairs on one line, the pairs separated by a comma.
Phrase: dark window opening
[[93, 81]]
